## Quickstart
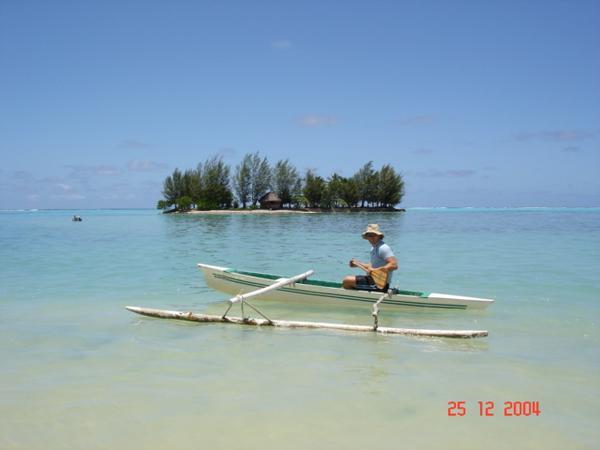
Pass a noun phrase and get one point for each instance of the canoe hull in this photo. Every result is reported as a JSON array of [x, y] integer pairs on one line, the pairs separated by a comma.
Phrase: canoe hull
[[235, 282]]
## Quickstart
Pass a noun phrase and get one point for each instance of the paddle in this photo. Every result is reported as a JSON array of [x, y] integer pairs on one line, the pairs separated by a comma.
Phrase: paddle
[[379, 275]]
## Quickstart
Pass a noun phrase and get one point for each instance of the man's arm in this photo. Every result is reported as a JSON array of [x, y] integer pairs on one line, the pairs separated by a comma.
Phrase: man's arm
[[391, 264], [364, 266]]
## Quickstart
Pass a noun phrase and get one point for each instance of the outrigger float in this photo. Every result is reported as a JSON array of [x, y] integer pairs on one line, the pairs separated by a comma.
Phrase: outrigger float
[[298, 288]]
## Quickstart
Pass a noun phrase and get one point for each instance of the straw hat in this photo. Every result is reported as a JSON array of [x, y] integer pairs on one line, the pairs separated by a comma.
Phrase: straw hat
[[372, 228]]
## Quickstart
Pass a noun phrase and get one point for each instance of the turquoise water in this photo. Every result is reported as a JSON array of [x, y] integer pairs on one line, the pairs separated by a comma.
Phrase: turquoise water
[[79, 371]]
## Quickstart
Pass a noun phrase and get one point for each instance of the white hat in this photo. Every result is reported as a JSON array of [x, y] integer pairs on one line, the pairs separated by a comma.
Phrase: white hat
[[372, 228]]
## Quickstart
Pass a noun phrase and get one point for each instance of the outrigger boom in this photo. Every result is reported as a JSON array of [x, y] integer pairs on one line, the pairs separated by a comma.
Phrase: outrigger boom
[[242, 298], [276, 285]]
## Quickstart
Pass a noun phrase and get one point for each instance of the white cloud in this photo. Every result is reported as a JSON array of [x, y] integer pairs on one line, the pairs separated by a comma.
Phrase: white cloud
[[422, 151], [226, 152], [424, 119], [67, 192], [118, 196], [316, 120], [453, 173], [281, 44], [86, 171], [555, 135], [133, 144], [137, 165], [70, 196]]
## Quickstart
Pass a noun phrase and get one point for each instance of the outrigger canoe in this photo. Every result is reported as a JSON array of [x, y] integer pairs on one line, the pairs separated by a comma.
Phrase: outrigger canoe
[[298, 288], [234, 282]]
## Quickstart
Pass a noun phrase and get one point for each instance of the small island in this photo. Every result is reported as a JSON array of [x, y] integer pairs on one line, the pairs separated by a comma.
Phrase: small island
[[258, 188]]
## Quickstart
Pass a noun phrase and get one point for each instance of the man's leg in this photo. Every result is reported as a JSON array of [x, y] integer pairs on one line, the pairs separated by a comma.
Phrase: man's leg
[[349, 282]]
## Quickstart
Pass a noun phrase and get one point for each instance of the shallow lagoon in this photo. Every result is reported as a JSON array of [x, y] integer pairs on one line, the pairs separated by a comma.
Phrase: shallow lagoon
[[79, 371]]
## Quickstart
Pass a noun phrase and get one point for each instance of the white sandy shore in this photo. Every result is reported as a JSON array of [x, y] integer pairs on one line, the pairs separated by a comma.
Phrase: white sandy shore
[[251, 211]]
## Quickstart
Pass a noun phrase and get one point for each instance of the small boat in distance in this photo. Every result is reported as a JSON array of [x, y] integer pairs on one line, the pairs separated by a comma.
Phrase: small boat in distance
[[76, 219], [234, 282]]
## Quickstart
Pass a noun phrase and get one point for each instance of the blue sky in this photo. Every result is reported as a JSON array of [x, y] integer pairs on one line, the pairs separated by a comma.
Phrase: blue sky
[[475, 103]]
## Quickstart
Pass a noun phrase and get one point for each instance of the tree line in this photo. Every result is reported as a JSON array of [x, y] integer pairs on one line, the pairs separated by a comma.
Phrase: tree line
[[212, 185]]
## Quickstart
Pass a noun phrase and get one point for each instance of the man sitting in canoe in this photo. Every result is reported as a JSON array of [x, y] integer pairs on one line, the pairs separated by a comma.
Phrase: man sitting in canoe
[[379, 271]]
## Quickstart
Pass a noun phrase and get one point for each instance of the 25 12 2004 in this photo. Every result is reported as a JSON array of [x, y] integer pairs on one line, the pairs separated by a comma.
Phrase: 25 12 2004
[[487, 408]]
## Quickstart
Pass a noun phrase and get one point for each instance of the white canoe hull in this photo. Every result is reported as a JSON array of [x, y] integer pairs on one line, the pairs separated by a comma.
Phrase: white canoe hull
[[235, 282]]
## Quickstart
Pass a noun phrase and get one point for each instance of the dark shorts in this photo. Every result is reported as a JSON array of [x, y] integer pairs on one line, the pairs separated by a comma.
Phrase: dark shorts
[[366, 282]]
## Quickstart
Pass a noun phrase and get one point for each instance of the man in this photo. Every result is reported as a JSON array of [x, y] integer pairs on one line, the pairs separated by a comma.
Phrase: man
[[381, 257]]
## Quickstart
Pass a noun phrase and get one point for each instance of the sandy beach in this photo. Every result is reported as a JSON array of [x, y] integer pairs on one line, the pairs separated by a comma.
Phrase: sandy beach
[[249, 211], [287, 211]]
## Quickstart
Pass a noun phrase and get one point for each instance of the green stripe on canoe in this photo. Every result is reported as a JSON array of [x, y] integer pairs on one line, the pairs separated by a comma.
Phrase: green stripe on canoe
[[330, 284], [336, 296]]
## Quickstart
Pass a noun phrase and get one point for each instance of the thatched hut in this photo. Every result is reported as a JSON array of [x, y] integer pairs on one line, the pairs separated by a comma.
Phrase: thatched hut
[[270, 201]]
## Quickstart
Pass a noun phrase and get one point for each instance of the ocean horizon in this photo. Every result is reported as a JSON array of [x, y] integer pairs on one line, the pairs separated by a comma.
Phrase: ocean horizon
[[80, 371]]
